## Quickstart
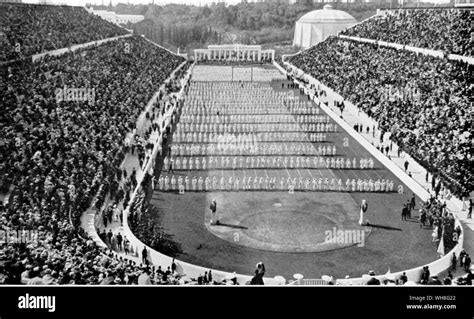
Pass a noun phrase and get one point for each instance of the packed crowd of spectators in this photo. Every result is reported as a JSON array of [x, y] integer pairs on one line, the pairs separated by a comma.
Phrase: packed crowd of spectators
[[62, 156], [447, 30], [29, 29], [63, 258], [422, 100]]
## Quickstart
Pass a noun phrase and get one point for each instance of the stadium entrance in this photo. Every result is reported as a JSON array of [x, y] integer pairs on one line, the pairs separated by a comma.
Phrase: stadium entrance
[[234, 52]]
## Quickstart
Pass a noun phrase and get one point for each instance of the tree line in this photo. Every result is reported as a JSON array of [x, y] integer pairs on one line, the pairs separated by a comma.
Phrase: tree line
[[191, 26]]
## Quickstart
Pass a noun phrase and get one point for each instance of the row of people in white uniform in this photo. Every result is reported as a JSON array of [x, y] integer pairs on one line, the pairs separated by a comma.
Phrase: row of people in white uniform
[[238, 107], [242, 138], [238, 94], [250, 162], [252, 118], [254, 128], [212, 72], [262, 96], [257, 148], [237, 99], [234, 91], [213, 77], [243, 99], [173, 183], [204, 86]]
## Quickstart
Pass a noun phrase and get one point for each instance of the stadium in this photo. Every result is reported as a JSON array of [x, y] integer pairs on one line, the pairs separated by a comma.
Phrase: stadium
[[344, 158]]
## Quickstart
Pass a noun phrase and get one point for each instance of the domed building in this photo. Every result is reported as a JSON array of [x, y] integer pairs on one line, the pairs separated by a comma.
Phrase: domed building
[[317, 25]]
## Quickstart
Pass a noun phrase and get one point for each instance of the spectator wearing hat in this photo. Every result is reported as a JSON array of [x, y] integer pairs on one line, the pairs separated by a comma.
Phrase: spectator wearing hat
[[373, 281]]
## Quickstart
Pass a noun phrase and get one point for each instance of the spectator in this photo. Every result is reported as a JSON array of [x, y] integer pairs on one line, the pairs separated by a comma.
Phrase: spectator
[[173, 267], [372, 281], [469, 213], [144, 278], [467, 262], [434, 281], [453, 262], [119, 242], [404, 212], [403, 278], [437, 29], [396, 88], [144, 256], [425, 275], [34, 29]]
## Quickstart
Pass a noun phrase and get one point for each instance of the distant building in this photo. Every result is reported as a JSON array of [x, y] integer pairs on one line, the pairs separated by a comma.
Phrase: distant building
[[234, 52], [464, 3], [317, 25], [268, 1], [117, 18], [350, 1]]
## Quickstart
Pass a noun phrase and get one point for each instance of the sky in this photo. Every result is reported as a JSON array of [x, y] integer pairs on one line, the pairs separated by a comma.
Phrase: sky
[[159, 2]]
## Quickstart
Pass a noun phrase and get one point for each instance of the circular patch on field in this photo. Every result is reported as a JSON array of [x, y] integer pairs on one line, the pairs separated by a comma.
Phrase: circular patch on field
[[289, 231]]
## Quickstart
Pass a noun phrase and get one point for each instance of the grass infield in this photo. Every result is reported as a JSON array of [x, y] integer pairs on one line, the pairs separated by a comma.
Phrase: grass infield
[[288, 232]]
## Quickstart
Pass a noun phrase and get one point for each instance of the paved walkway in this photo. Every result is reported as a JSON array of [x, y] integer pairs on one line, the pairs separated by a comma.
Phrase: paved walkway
[[92, 222]]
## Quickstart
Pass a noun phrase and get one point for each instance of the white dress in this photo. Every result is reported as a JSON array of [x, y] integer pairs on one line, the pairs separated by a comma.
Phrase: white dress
[[361, 219], [363, 209]]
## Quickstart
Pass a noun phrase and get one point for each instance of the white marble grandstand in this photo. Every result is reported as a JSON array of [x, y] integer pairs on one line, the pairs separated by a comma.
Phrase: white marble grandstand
[[234, 52]]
